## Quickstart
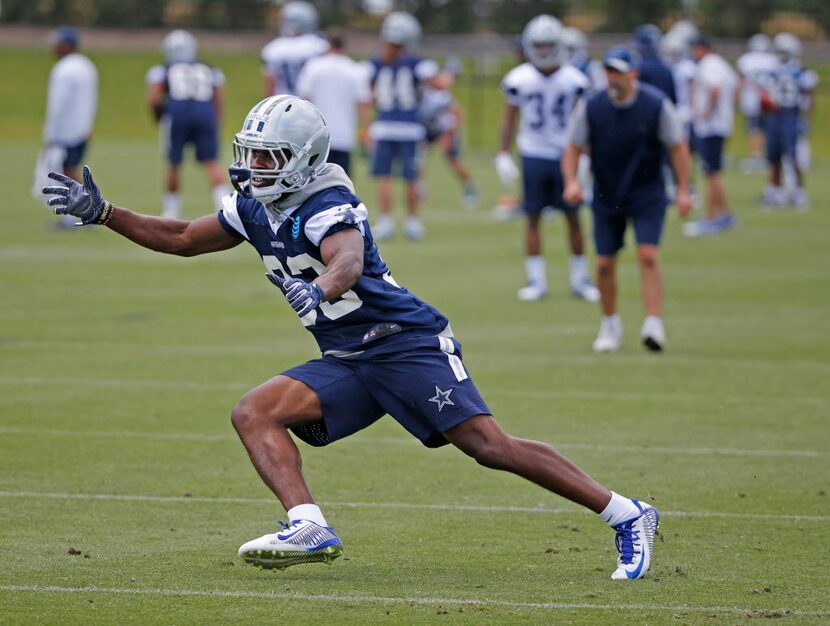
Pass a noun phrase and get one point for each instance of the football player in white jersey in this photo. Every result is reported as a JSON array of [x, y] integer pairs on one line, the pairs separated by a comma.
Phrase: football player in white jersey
[[541, 94], [756, 67], [284, 57]]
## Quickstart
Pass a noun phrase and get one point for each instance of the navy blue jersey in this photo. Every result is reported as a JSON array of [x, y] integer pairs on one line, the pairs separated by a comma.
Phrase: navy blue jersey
[[396, 88], [189, 88], [626, 152], [375, 312]]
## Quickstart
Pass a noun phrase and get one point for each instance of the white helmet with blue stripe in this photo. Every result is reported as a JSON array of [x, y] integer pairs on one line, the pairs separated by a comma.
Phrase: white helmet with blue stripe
[[401, 28], [298, 18], [295, 134], [542, 42], [180, 46], [788, 46]]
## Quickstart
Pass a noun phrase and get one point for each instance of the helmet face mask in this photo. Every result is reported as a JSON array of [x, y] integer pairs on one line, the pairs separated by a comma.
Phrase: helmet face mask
[[541, 42], [293, 134]]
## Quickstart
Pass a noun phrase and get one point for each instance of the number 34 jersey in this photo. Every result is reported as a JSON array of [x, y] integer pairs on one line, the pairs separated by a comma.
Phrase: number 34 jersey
[[545, 104], [375, 311]]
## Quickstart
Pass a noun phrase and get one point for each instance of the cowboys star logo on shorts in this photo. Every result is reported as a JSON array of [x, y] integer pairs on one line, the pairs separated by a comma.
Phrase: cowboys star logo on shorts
[[442, 398]]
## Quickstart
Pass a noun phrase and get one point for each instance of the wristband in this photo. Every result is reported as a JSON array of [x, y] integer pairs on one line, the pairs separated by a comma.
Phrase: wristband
[[106, 214]]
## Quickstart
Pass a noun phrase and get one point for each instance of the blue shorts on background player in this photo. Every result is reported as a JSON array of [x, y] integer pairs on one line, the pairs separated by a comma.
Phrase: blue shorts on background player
[[627, 128], [383, 349], [185, 96]]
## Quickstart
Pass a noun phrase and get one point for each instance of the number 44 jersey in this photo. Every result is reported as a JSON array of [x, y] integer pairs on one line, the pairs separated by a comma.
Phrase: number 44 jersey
[[545, 103], [375, 312]]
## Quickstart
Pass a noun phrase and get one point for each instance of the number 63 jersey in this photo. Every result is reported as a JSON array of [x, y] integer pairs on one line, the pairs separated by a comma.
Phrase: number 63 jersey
[[545, 103], [376, 312]]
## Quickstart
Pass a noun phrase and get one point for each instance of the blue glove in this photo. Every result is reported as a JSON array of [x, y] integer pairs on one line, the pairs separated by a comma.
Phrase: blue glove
[[302, 296], [82, 201]]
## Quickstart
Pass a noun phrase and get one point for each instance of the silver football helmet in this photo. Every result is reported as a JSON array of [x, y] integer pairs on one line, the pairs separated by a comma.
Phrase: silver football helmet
[[296, 136], [574, 44], [673, 48], [542, 42], [180, 46], [298, 18], [759, 43], [787, 46], [401, 28], [685, 30]]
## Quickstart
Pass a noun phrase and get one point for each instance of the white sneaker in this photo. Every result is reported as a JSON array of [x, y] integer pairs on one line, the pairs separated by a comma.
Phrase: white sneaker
[[635, 542], [609, 336], [800, 200], [532, 292], [653, 334], [413, 229], [302, 541], [585, 289], [384, 228]]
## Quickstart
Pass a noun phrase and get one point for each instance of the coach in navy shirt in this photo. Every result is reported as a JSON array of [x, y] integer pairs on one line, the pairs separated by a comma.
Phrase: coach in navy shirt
[[625, 127]]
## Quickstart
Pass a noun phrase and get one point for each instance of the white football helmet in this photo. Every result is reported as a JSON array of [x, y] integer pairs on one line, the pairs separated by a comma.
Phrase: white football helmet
[[759, 43], [294, 132], [685, 30], [574, 44], [673, 48], [298, 18], [180, 46], [401, 28], [542, 42], [787, 46]]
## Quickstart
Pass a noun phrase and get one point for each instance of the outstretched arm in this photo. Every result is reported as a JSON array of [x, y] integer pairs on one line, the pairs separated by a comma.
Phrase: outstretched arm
[[171, 236], [342, 254]]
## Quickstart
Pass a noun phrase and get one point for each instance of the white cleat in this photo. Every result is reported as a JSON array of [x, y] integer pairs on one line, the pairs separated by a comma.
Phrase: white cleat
[[585, 289], [635, 543], [532, 293], [609, 336], [413, 229], [302, 541], [653, 334], [384, 228]]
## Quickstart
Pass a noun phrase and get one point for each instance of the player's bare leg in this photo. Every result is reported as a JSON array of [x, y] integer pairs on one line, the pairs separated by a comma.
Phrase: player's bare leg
[[413, 228], [384, 228], [609, 336], [537, 279], [172, 204], [580, 281], [217, 176], [484, 440], [652, 333], [262, 419], [635, 523]]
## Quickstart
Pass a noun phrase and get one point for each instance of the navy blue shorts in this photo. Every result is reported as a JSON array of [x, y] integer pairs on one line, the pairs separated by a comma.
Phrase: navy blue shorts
[[74, 155], [710, 150], [343, 158], [387, 153], [200, 131], [609, 227], [426, 390], [781, 133], [543, 186]]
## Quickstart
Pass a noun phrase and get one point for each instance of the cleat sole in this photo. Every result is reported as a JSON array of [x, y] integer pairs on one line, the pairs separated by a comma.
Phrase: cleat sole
[[280, 559]]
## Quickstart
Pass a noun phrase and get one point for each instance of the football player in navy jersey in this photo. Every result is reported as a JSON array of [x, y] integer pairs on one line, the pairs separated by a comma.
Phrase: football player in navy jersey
[[185, 96], [383, 349], [397, 76]]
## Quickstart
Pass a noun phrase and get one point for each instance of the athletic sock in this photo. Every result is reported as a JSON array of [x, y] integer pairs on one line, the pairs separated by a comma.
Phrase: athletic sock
[[310, 512], [172, 205], [535, 268], [619, 510], [579, 269], [219, 192], [614, 321]]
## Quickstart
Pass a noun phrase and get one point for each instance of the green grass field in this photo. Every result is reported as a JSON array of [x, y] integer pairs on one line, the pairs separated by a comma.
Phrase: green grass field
[[124, 493]]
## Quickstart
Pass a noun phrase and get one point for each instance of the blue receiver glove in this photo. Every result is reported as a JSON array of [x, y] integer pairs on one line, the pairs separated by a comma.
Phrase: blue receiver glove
[[302, 296], [82, 201]]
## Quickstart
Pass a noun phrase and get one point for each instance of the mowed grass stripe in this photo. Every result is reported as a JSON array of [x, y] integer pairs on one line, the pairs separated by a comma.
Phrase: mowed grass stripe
[[399, 505], [671, 450], [372, 599], [575, 394]]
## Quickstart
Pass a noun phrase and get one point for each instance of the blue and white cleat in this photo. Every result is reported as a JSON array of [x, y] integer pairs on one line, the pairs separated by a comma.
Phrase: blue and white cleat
[[635, 542], [301, 541]]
